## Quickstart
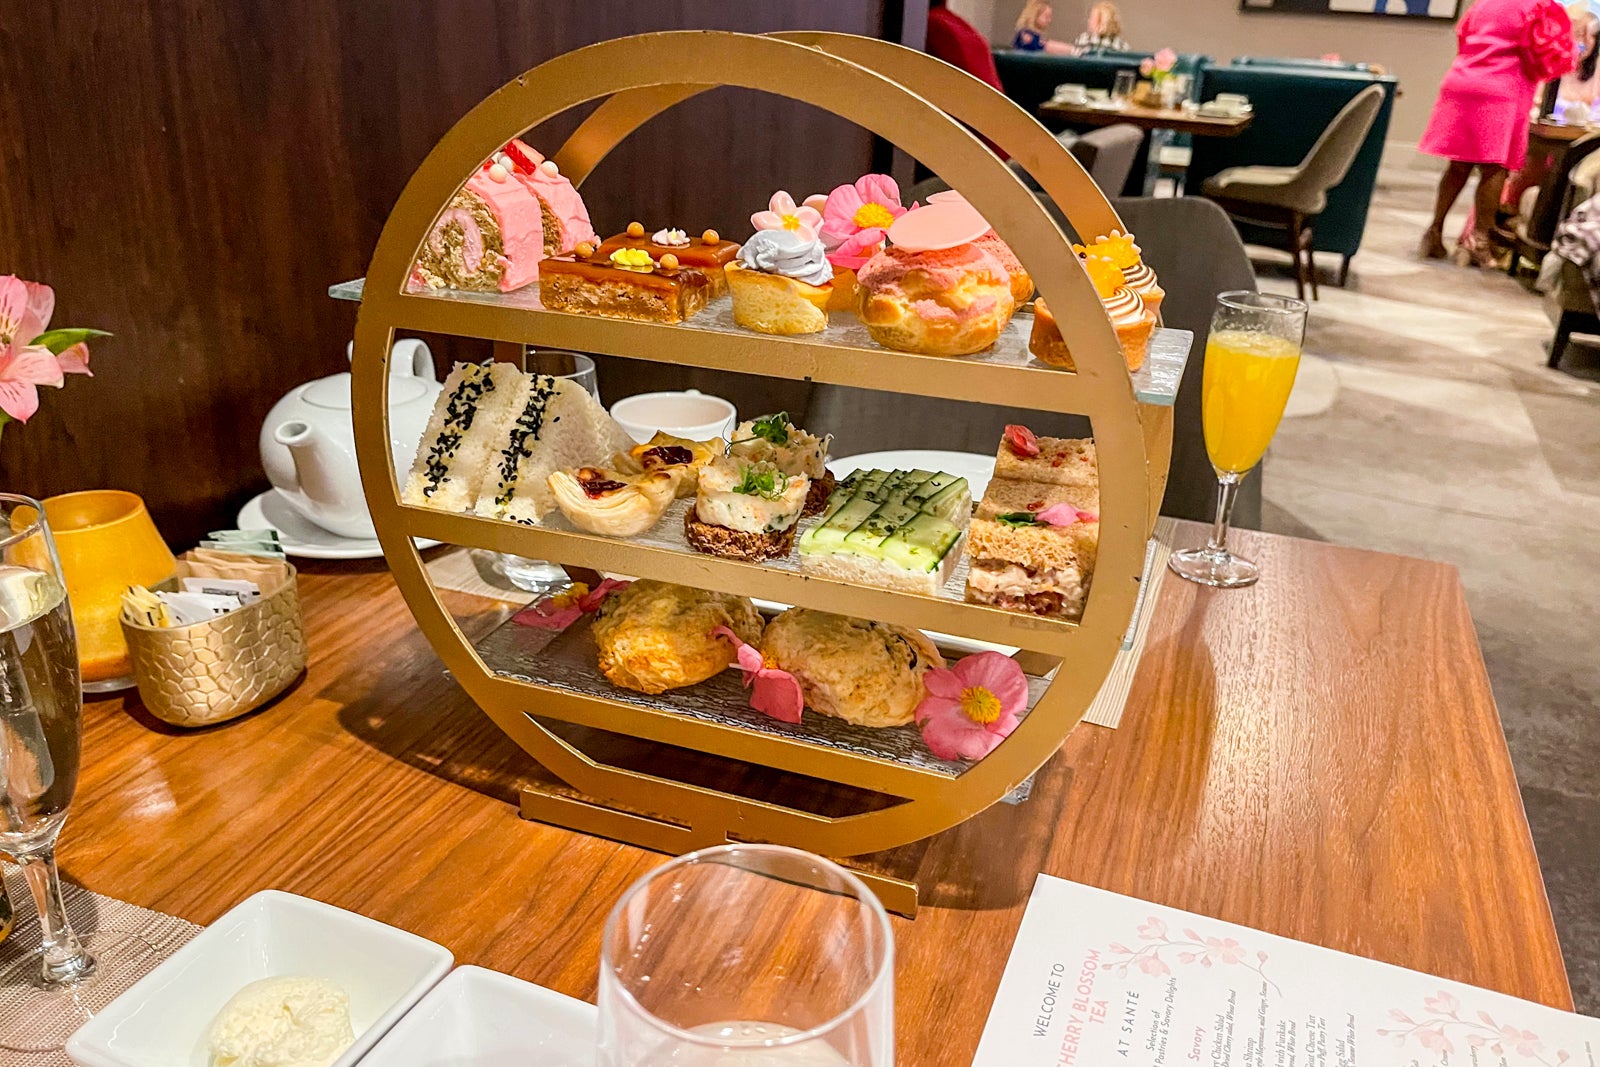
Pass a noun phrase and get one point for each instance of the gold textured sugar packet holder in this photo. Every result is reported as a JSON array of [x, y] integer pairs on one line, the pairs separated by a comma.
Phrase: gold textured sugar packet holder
[[212, 671]]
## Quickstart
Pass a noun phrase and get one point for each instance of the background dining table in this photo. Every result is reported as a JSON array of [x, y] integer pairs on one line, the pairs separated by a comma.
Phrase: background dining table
[[1179, 120], [1318, 756]]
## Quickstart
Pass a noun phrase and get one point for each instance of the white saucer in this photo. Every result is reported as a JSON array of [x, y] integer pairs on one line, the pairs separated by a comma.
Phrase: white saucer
[[303, 538]]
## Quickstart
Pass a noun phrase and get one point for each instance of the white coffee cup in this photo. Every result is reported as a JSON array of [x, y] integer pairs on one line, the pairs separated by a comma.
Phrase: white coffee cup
[[1072, 93], [690, 414]]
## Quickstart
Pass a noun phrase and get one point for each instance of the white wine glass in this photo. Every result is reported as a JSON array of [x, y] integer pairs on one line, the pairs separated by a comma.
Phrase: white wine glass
[[41, 736], [744, 956]]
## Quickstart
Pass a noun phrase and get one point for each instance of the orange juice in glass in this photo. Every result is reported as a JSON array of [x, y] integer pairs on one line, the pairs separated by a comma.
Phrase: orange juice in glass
[[1251, 359]]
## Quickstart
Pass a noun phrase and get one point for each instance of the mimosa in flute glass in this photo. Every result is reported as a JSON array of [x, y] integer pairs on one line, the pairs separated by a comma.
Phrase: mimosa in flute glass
[[41, 732], [1251, 359], [747, 956]]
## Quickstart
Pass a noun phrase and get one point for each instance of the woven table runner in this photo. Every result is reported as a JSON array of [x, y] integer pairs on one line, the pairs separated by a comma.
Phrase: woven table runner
[[95, 917]]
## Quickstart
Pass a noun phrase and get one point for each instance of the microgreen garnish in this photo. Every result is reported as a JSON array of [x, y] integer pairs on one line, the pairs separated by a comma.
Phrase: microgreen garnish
[[1018, 518], [760, 483]]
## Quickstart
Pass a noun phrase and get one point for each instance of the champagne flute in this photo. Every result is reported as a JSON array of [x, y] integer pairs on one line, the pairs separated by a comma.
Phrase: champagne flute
[[743, 956], [1251, 357], [41, 729], [538, 575]]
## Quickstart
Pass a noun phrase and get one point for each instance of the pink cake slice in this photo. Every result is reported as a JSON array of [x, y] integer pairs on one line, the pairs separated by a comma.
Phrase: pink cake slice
[[491, 236], [566, 219], [521, 225]]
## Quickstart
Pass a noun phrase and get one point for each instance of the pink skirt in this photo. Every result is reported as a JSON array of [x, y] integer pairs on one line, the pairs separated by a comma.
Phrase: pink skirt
[[1472, 125]]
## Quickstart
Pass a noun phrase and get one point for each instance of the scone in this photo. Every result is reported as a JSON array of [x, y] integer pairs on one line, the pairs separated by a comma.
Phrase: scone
[[781, 283], [864, 672], [653, 636], [942, 302]]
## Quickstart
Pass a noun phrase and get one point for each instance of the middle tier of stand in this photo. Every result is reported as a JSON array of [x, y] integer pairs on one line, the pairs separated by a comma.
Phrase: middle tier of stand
[[842, 354], [663, 553]]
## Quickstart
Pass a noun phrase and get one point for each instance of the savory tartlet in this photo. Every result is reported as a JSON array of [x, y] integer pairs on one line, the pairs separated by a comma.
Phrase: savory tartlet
[[777, 440], [612, 503]]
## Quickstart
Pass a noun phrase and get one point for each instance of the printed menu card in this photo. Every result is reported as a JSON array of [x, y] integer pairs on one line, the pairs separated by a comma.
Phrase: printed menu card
[[1097, 979]]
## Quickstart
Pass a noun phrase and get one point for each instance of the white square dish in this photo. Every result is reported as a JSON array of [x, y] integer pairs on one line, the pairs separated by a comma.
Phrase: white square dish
[[488, 1019], [164, 1019]]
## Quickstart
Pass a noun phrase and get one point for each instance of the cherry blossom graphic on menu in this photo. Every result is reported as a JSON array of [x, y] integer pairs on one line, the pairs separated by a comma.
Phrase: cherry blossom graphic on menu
[[1441, 1027], [1194, 949]]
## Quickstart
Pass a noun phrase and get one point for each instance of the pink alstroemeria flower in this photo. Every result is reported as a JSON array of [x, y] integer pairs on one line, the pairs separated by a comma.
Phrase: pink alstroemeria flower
[[1064, 514], [25, 310], [856, 218], [1165, 59], [971, 707], [560, 610], [784, 214], [773, 691]]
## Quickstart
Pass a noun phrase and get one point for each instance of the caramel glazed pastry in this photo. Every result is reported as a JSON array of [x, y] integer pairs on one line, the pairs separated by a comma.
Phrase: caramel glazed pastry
[[654, 636], [625, 284]]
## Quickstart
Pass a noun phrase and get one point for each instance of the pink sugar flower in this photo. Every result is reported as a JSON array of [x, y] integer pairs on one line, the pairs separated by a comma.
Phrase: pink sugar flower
[[855, 218], [784, 214], [30, 354], [971, 707], [1064, 514], [773, 691], [560, 610]]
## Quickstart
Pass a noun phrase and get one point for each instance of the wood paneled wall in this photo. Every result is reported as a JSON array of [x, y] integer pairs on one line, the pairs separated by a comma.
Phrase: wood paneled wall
[[193, 174]]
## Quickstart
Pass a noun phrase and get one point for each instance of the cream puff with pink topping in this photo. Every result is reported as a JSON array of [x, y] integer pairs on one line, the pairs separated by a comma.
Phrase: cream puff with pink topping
[[933, 290], [1021, 280]]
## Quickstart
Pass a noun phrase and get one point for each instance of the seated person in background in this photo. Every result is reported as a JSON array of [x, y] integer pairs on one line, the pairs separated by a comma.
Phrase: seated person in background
[[1581, 86], [1032, 25], [1104, 32], [958, 42]]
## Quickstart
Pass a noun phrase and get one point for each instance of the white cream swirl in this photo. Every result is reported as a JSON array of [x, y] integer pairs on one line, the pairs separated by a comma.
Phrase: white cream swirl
[[1140, 278], [787, 253], [1125, 307], [671, 238]]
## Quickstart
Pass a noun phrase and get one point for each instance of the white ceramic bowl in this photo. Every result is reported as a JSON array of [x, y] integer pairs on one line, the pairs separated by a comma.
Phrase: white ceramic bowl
[[164, 1019], [689, 414], [480, 1018]]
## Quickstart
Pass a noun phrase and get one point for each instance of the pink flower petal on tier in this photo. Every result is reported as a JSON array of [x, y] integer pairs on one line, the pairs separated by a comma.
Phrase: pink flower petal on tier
[[773, 691], [971, 707]]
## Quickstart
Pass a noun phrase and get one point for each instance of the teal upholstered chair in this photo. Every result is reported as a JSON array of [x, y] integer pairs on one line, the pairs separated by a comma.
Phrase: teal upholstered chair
[[1293, 105]]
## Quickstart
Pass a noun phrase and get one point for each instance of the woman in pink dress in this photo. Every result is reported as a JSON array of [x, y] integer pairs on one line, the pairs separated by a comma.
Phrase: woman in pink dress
[[1504, 50]]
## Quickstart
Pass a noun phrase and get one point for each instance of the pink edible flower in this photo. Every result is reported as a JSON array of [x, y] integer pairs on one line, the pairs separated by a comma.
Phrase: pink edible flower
[[971, 707], [773, 691], [1064, 514], [560, 610], [25, 310], [784, 214], [856, 218], [1021, 440]]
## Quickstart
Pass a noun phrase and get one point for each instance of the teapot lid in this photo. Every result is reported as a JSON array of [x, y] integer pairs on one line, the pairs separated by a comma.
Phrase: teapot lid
[[333, 392]]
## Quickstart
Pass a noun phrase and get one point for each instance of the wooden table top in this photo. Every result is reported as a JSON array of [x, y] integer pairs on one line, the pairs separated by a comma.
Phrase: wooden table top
[[1318, 756], [1556, 131], [1149, 118]]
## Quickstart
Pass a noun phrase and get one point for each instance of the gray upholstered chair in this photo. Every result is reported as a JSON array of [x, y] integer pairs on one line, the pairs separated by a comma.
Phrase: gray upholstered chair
[[1107, 153], [1289, 199]]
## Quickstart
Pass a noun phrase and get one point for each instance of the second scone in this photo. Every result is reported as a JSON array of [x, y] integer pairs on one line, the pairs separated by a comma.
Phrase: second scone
[[654, 636], [864, 672]]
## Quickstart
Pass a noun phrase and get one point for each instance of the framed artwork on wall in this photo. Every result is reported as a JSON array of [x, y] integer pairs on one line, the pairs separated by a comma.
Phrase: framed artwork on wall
[[1445, 10]]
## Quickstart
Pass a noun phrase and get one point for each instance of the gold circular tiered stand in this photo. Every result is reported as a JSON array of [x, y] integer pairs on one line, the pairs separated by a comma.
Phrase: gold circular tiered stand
[[921, 105]]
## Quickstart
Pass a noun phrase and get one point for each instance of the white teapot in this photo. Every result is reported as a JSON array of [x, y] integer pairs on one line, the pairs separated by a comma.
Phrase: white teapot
[[308, 443]]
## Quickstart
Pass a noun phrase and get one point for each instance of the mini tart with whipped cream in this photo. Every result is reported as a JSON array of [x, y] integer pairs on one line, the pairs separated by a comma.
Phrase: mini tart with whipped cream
[[744, 510], [705, 251], [781, 283], [942, 302], [1119, 247], [776, 440], [612, 503], [626, 284]]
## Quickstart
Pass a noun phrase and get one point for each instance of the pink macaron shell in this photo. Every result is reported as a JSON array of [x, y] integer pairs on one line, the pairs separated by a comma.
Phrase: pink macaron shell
[[936, 226]]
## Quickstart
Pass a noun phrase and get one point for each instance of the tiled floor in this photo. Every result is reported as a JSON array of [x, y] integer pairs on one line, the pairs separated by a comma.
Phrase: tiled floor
[[1425, 422]]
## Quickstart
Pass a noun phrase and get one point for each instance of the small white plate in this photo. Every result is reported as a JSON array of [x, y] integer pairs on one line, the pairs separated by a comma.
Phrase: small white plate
[[482, 1018], [164, 1019], [303, 538]]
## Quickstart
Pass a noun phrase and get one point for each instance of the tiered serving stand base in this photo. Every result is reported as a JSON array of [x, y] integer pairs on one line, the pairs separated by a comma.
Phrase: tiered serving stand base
[[696, 767]]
